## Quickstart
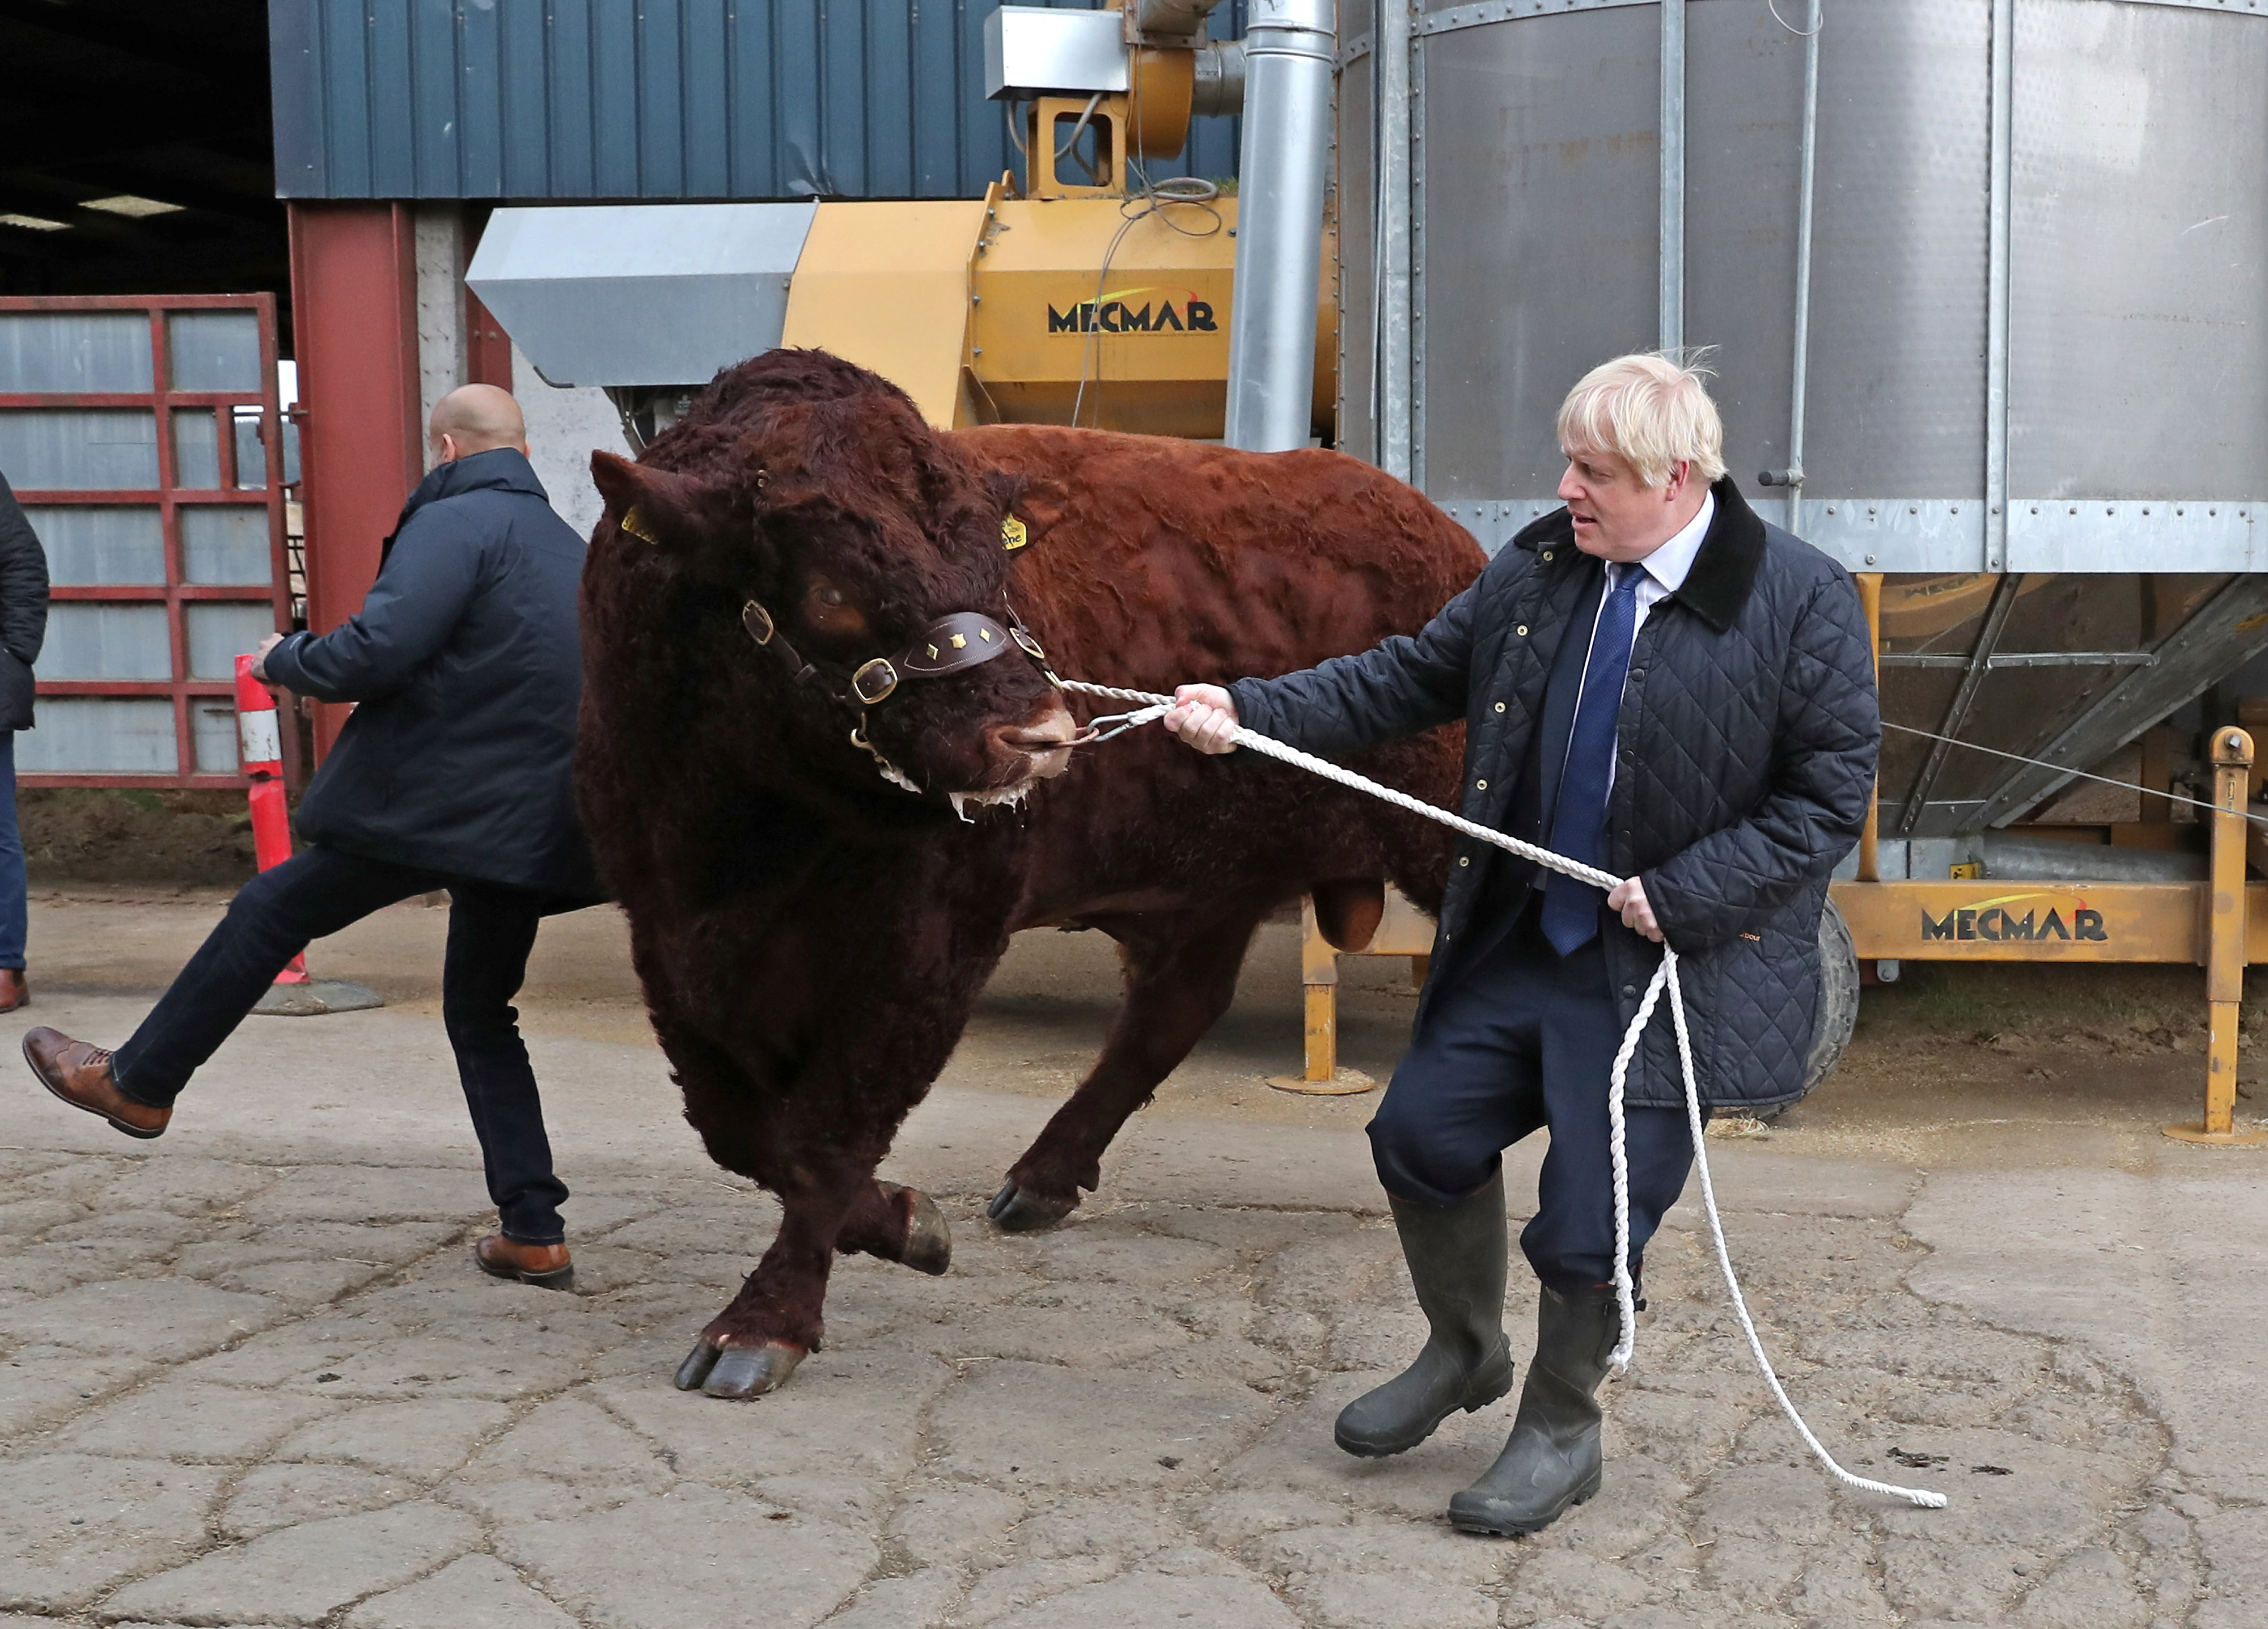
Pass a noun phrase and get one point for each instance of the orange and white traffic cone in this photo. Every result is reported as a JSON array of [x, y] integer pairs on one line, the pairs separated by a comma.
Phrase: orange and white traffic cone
[[263, 765], [293, 994]]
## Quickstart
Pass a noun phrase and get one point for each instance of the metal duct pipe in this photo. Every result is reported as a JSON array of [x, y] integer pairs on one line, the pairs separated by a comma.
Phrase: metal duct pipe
[[1182, 17], [1220, 90], [1288, 46], [1393, 374]]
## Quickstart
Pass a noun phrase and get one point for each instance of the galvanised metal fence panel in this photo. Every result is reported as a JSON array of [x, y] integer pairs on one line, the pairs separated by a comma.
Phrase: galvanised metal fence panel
[[652, 98]]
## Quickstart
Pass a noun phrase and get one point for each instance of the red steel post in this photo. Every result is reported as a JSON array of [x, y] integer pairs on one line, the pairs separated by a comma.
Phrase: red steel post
[[354, 302], [264, 767]]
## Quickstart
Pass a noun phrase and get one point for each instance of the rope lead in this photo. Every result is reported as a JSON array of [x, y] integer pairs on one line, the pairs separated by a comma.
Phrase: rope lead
[[1665, 977]]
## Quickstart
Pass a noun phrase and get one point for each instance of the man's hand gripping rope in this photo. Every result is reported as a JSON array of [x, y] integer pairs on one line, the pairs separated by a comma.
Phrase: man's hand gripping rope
[[1212, 728]]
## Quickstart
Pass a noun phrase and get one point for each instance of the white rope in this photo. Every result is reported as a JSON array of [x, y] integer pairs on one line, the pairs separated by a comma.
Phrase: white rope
[[1665, 977]]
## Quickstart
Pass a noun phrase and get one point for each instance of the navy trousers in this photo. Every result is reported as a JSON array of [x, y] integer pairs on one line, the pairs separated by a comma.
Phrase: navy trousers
[[319, 891], [1521, 1040]]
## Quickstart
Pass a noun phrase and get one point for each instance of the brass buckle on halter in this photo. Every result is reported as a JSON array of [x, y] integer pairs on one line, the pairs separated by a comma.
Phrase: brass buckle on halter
[[874, 681], [1028, 644], [758, 622]]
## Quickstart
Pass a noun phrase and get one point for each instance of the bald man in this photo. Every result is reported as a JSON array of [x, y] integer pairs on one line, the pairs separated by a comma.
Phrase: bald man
[[451, 773]]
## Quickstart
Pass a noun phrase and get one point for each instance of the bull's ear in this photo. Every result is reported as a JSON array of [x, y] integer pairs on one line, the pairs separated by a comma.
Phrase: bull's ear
[[655, 506], [1041, 500], [1003, 489]]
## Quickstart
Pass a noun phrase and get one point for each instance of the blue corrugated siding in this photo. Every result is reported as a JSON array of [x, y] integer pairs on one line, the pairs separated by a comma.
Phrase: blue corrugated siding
[[650, 98]]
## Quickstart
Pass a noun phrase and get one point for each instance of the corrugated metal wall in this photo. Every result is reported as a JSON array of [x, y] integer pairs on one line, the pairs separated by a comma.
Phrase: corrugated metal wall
[[649, 99]]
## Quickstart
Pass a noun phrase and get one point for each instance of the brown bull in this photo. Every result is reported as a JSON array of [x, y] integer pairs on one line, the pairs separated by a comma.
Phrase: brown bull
[[820, 878]]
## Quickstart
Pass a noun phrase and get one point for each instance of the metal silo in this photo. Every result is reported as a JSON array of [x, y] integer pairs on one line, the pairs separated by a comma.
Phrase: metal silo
[[2033, 290]]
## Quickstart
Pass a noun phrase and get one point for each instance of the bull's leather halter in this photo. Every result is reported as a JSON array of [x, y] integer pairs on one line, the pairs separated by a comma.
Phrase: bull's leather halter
[[960, 640]]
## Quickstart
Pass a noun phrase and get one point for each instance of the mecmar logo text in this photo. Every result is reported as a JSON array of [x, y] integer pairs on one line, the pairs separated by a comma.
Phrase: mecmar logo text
[[1994, 922], [1117, 313]]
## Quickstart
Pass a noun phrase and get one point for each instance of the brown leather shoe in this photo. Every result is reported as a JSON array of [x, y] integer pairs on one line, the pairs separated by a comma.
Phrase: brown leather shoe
[[80, 1075], [547, 1266], [14, 993]]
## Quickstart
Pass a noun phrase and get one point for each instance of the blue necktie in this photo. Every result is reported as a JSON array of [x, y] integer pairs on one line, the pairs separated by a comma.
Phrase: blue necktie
[[1579, 818]]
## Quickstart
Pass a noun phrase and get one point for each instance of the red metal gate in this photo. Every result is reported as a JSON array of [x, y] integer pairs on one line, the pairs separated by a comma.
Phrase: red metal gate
[[143, 437]]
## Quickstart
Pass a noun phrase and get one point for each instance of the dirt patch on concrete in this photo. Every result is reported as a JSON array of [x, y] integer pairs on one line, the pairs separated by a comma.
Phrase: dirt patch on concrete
[[102, 834]]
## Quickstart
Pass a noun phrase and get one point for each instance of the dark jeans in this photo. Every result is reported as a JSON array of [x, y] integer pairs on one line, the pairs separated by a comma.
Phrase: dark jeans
[[317, 892], [11, 860], [1521, 1040]]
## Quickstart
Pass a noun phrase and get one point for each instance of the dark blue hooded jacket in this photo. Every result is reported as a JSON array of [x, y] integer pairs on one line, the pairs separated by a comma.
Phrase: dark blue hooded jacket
[[467, 671]]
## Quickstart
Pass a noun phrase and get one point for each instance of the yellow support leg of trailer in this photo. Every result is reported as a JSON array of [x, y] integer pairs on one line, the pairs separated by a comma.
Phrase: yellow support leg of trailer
[[1404, 930], [1319, 979], [2225, 946], [1870, 861]]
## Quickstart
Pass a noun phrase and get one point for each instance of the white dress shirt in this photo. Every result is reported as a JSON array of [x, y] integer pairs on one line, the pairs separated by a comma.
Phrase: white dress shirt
[[1662, 574], [1667, 566]]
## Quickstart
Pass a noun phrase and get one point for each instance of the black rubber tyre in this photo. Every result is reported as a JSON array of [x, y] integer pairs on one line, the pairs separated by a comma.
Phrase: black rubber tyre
[[1838, 1004]]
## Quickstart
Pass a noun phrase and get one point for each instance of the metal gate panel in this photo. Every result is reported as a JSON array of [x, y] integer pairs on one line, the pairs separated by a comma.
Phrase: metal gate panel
[[1538, 236], [2037, 261], [143, 439], [2139, 366]]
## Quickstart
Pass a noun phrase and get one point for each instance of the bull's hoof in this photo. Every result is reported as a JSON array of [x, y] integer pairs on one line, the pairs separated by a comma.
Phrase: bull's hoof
[[737, 1372], [751, 1371], [697, 1365], [929, 1241], [1018, 1210]]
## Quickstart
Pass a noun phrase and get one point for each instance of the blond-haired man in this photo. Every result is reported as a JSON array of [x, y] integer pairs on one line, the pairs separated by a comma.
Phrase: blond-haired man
[[1657, 682]]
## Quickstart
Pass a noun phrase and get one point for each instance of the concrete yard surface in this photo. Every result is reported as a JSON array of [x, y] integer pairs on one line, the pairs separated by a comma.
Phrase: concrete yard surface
[[250, 1375]]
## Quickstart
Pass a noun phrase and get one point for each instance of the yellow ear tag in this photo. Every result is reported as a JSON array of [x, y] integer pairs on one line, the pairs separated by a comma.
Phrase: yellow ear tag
[[1012, 535], [631, 523]]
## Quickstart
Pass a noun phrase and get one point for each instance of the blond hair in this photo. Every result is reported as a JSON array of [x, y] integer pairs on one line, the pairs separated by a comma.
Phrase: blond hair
[[1651, 412]]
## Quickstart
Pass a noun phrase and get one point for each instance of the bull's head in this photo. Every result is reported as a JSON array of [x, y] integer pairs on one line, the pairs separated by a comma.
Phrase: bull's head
[[861, 559]]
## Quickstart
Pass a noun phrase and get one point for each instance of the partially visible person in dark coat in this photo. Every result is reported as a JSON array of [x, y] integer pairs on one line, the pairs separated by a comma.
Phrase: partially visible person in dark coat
[[451, 773], [23, 629], [1656, 682]]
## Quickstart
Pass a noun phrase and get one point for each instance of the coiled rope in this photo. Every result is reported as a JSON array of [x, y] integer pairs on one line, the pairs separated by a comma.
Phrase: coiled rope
[[1155, 706]]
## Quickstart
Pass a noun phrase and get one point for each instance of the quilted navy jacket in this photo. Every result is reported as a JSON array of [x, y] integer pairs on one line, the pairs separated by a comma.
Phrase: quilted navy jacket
[[1748, 738]]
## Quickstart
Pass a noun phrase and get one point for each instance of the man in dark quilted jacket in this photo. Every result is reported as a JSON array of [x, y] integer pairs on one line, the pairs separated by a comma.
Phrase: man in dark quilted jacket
[[1657, 682]]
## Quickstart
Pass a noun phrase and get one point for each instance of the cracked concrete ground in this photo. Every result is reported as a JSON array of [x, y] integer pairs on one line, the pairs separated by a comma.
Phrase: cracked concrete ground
[[249, 1375]]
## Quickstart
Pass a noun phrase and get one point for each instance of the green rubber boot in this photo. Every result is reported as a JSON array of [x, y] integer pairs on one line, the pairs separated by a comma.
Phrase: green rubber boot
[[1552, 1460], [1457, 1256]]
